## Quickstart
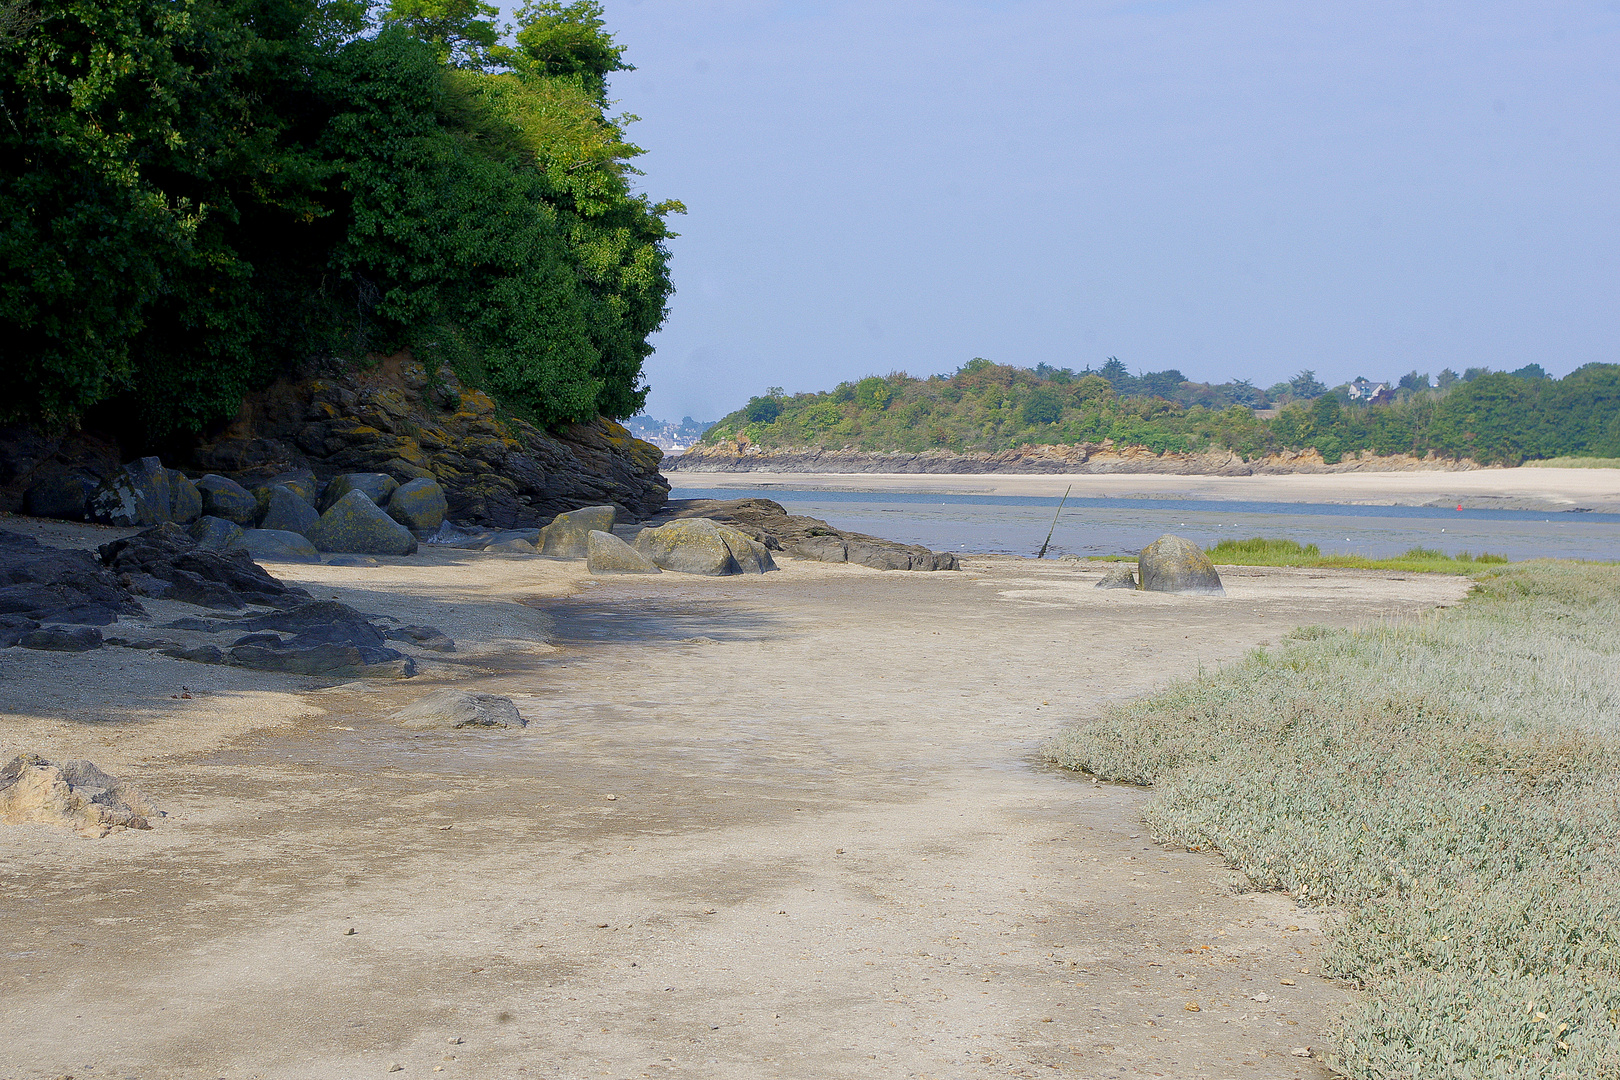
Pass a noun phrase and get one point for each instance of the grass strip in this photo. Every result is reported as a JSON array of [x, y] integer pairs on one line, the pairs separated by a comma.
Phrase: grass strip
[[1574, 463], [1264, 551], [1452, 784]]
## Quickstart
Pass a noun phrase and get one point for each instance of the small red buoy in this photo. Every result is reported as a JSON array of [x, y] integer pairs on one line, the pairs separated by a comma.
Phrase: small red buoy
[[1459, 506]]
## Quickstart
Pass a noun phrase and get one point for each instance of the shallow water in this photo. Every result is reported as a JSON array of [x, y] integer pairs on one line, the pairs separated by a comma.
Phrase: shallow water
[[1017, 524]]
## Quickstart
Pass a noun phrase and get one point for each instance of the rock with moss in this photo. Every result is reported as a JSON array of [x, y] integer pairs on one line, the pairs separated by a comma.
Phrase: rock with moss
[[223, 497], [356, 525], [1118, 576], [1173, 564], [607, 554], [375, 486], [751, 556], [277, 545], [687, 546], [286, 511], [215, 533], [302, 482], [418, 504], [565, 537], [185, 501], [134, 494]]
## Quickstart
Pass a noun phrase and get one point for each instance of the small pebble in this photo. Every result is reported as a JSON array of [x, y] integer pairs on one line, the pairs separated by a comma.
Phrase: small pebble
[[1261, 997], [455, 1040], [1192, 1006], [611, 798], [349, 932], [1301, 1051], [396, 1067], [1287, 982]]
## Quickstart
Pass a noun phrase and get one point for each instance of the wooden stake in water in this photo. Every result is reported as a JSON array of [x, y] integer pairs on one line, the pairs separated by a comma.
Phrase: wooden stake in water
[[1053, 529]]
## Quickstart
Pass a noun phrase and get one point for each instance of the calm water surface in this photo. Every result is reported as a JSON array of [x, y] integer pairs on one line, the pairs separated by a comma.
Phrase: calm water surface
[[1016, 524]]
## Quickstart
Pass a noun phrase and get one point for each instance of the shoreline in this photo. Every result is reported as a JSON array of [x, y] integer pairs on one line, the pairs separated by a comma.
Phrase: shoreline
[[1551, 490]]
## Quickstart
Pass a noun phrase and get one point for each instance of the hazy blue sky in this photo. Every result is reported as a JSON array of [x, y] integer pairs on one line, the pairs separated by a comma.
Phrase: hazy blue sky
[[1235, 189]]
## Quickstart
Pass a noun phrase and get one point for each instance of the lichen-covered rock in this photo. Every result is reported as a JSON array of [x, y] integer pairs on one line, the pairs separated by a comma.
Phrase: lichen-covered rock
[[223, 497], [277, 545], [65, 496], [214, 533], [357, 525], [688, 546], [607, 554], [1175, 565], [770, 524], [376, 486], [418, 504], [287, 511], [1117, 576], [301, 481], [459, 709], [73, 794], [185, 501], [751, 556], [512, 545], [564, 538], [117, 500]]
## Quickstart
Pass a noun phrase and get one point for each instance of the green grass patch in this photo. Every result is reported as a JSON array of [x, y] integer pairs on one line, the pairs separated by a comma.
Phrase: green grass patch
[[1264, 551], [1452, 784], [1575, 463]]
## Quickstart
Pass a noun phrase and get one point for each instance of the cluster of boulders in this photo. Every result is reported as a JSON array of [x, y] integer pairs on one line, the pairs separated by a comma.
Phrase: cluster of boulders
[[769, 524], [1170, 564], [290, 517], [59, 600]]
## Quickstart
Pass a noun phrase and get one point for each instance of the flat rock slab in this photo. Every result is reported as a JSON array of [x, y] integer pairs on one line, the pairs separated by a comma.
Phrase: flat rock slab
[[459, 709], [72, 795]]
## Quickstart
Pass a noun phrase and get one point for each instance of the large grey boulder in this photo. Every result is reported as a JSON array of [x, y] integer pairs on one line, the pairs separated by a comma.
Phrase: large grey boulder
[[215, 534], [607, 554], [459, 709], [565, 536], [356, 525], [751, 556], [287, 511], [277, 545], [687, 546], [223, 497], [65, 496], [1117, 576], [136, 494], [419, 505], [1173, 564], [375, 485], [185, 501], [302, 482]]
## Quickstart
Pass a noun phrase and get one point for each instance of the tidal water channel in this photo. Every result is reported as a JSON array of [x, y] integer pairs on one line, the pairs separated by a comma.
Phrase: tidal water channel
[[1017, 524]]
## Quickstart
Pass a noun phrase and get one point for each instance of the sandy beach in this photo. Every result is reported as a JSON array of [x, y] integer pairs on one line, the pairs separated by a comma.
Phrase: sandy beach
[[1508, 489], [794, 825]]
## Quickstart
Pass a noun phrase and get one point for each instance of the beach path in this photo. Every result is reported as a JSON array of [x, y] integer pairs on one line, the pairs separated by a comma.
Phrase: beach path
[[784, 826]]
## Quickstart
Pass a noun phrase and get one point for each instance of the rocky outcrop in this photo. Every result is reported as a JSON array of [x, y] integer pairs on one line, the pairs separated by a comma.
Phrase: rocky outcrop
[[1103, 457], [165, 563], [401, 420], [808, 538], [41, 585], [1173, 564], [693, 546], [72, 794]]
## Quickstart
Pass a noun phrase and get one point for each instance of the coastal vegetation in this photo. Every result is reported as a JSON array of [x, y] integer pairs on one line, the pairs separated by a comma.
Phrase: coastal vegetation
[[1264, 551], [194, 197], [1451, 784], [1489, 417]]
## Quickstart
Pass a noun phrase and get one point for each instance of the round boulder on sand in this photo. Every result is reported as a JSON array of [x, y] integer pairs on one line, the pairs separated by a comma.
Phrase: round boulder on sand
[[607, 554], [223, 497], [1176, 565], [355, 525], [277, 545], [564, 538], [459, 709], [418, 504], [376, 486], [214, 533], [287, 511], [688, 546]]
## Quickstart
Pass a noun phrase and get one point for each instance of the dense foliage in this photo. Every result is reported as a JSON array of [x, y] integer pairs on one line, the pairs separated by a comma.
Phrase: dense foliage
[[195, 193], [1492, 417]]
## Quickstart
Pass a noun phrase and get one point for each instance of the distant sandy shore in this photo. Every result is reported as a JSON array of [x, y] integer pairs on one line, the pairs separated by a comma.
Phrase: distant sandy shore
[[1511, 489]]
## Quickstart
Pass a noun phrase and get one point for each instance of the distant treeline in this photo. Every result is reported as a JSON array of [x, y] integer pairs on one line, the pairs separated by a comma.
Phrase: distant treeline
[[1491, 417]]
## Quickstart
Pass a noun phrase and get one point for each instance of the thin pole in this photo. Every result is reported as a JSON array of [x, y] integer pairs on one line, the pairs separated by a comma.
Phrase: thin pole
[[1053, 529]]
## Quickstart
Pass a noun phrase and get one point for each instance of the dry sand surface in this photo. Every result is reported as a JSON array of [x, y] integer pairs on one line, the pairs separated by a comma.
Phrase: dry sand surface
[[789, 826], [1510, 489]]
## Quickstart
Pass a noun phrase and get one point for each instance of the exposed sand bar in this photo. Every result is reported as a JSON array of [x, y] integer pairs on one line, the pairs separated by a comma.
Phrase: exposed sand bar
[[830, 848], [1527, 489]]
